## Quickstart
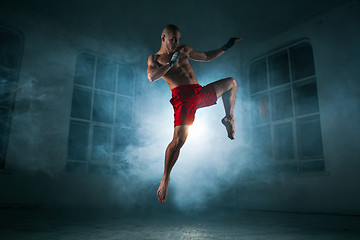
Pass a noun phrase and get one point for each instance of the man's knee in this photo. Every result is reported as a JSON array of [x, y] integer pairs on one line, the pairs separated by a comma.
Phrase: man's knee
[[178, 141], [232, 82]]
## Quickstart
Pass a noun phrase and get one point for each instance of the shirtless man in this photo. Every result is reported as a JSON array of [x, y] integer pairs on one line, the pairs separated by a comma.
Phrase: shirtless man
[[171, 63]]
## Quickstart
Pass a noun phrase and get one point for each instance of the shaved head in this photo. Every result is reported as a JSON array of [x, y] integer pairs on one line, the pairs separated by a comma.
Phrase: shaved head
[[171, 28], [170, 38]]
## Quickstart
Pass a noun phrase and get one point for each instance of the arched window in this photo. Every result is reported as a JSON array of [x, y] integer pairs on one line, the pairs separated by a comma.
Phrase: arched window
[[11, 45], [285, 111], [101, 113]]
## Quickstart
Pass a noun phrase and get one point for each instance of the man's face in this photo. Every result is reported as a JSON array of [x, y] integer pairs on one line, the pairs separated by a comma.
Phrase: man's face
[[172, 40]]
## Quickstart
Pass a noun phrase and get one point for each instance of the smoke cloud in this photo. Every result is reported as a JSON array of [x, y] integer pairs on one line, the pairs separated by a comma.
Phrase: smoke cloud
[[209, 162]]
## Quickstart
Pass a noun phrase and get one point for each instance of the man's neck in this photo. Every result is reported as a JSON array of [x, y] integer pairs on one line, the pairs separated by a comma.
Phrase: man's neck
[[164, 50]]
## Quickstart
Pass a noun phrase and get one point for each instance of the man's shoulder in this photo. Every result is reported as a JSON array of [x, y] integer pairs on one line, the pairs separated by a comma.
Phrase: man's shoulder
[[187, 48], [153, 57], [154, 60]]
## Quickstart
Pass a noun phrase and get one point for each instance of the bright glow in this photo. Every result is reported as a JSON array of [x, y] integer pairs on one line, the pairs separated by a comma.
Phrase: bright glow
[[198, 130], [208, 161]]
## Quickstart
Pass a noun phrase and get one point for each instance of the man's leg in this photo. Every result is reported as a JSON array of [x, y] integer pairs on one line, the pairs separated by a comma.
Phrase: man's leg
[[227, 89], [171, 155]]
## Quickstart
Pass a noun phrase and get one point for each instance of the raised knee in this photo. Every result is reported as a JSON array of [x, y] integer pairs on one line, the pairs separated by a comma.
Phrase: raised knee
[[232, 82]]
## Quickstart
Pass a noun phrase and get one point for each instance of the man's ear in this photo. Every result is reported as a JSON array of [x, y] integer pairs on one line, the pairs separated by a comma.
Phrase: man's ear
[[163, 38]]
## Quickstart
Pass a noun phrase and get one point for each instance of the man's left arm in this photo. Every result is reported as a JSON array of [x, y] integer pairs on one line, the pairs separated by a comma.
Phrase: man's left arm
[[211, 55]]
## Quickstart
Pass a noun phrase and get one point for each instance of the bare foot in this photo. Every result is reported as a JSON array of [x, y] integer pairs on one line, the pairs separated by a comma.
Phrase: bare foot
[[229, 123], [163, 189]]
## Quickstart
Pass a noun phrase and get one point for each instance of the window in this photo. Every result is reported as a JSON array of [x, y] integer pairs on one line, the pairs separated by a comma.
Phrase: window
[[101, 113], [286, 126], [11, 46]]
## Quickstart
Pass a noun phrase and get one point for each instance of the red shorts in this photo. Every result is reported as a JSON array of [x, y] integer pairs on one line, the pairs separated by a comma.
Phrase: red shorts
[[186, 99]]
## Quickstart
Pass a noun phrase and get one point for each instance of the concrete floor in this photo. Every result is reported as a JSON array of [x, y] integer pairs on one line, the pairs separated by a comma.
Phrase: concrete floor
[[111, 224]]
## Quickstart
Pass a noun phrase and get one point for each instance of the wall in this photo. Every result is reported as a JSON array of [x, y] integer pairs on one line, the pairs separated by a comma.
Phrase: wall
[[334, 37], [35, 165]]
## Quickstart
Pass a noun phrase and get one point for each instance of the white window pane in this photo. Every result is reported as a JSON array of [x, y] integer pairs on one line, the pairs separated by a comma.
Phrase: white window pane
[[260, 108], [101, 144], [258, 76], [78, 140], [279, 69], [103, 110], [306, 98], [302, 61], [309, 138], [281, 104], [81, 103], [125, 81], [105, 75], [124, 111], [85, 68], [284, 146]]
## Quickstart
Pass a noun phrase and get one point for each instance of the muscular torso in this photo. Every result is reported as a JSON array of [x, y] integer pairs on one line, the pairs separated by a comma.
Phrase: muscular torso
[[179, 74]]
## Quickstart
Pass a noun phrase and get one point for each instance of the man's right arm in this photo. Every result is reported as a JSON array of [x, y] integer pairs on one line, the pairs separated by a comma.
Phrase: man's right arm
[[155, 70]]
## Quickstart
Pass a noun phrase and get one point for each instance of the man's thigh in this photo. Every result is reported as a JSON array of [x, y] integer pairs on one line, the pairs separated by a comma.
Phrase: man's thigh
[[222, 86]]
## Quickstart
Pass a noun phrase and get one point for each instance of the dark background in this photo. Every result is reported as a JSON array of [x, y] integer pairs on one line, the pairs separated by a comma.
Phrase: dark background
[[212, 171]]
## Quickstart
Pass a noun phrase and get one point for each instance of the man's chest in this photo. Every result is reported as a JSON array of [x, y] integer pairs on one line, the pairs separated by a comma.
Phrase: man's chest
[[164, 59]]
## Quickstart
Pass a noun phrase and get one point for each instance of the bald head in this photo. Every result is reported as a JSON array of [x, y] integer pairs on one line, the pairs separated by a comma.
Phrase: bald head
[[170, 38], [169, 29]]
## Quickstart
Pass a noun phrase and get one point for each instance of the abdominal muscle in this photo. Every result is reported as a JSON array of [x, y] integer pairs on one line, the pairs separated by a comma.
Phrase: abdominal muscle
[[180, 74]]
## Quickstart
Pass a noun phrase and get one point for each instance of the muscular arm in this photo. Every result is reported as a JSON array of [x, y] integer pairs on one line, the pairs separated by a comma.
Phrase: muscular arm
[[211, 55], [155, 70], [204, 56]]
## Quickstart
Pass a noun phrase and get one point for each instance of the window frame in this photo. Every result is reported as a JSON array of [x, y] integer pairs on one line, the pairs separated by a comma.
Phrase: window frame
[[114, 126], [271, 124]]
